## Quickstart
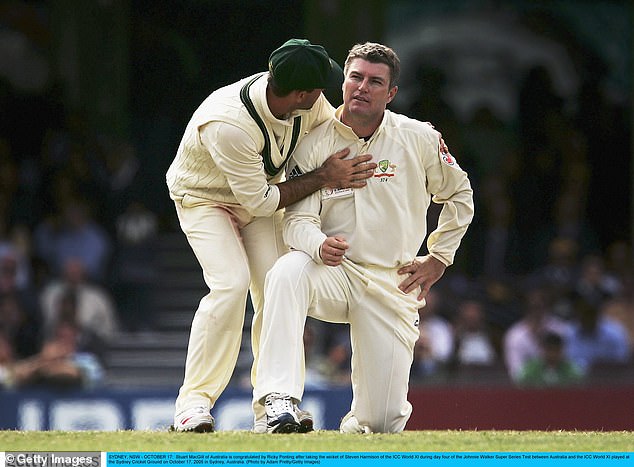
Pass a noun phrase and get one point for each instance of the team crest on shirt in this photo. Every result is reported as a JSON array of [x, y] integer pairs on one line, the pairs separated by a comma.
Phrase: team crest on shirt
[[384, 170]]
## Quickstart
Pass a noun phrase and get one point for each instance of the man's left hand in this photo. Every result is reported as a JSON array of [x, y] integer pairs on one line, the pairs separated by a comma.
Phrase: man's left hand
[[423, 272]]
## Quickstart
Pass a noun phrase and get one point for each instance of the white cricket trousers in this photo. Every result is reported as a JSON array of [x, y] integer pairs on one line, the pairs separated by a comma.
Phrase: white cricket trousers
[[234, 250], [383, 330]]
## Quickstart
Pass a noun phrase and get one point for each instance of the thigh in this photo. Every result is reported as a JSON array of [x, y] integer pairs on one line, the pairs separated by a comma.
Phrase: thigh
[[323, 291], [383, 339], [214, 237], [263, 243]]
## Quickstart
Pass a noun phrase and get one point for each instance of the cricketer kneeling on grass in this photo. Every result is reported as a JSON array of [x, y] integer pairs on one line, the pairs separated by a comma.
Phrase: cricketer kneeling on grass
[[355, 251]]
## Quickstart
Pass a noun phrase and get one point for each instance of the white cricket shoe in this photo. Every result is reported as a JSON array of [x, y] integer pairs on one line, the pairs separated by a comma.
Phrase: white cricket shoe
[[350, 424], [305, 418], [280, 414], [197, 419]]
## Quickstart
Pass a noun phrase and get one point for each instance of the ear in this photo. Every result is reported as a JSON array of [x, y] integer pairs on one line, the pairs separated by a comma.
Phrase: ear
[[300, 95], [391, 93]]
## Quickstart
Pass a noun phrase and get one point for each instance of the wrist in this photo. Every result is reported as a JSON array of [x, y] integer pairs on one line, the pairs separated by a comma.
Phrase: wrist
[[439, 259], [320, 177]]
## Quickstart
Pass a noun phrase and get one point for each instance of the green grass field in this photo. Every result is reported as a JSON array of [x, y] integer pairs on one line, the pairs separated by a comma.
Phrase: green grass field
[[319, 441]]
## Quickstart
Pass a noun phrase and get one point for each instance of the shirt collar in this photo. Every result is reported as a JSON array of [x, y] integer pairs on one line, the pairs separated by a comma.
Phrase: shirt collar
[[348, 132]]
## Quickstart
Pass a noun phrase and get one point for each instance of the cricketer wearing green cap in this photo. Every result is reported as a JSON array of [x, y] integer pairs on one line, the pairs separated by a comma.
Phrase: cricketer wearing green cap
[[228, 185], [298, 64]]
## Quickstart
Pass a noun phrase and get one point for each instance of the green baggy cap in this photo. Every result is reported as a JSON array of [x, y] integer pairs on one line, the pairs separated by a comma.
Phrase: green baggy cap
[[299, 65]]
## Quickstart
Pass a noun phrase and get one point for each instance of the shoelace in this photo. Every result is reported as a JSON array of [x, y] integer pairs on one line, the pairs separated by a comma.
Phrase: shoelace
[[279, 403]]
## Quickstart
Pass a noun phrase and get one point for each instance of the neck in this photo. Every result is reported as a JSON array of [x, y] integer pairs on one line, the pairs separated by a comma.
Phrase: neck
[[362, 127]]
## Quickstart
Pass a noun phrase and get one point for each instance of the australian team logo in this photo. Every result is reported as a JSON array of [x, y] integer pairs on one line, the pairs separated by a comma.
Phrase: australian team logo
[[385, 169]]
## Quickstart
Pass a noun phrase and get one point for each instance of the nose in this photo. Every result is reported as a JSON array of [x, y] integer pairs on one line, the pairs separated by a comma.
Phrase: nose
[[363, 85]]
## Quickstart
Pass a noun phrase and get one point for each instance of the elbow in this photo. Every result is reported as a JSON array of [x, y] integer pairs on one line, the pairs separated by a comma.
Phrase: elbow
[[264, 205]]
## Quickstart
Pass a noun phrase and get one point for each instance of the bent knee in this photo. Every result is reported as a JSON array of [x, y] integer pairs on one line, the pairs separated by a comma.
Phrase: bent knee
[[394, 421], [291, 265], [236, 280]]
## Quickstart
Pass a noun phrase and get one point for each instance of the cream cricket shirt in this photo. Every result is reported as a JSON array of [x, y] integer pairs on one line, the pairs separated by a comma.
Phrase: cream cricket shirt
[[384, 223], [220, 159]]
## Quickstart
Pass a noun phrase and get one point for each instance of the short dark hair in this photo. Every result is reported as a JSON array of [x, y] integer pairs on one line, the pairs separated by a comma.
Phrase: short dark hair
[[376, 53]]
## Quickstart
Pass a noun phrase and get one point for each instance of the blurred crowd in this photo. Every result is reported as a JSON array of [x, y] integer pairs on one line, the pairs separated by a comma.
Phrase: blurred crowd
[[75, 244]]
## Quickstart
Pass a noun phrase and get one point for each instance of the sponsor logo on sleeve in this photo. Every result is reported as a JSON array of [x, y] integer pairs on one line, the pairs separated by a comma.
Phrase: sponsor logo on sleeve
[[448, 159]]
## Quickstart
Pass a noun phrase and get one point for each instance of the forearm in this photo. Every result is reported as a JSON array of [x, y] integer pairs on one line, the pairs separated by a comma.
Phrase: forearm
[[300, 187], [335, 172], [454, 219], [302, 226]]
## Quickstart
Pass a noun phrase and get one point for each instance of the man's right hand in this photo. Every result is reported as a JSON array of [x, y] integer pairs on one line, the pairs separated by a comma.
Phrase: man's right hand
[[338, 172], [332, 250]]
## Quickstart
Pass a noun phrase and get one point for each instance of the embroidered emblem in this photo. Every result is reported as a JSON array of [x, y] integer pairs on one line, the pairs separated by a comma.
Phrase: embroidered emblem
[[384, 169]]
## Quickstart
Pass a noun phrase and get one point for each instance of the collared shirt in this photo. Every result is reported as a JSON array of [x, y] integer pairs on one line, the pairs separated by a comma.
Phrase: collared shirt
[[385, 222]]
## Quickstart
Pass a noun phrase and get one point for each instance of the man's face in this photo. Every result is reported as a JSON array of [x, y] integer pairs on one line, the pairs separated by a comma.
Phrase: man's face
[[366, 88]]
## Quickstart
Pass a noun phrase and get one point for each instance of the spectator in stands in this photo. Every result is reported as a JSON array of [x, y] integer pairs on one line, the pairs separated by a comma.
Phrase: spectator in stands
[[74, 235], [473, 342], [435, 346], [74, 297], [60, 364], [522, 341], [550, 367], [595, 338]]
